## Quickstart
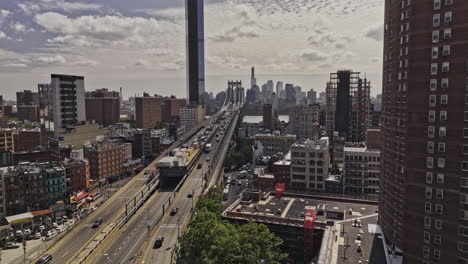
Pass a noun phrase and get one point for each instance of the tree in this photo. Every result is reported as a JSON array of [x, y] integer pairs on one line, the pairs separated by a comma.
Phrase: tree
[[212, 240]]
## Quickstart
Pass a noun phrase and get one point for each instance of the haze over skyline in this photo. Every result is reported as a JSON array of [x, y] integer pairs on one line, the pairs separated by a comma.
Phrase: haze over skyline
[[141, 45]]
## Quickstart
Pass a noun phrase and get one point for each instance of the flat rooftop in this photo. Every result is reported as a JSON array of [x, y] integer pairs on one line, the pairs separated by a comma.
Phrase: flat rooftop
[[291, 207]]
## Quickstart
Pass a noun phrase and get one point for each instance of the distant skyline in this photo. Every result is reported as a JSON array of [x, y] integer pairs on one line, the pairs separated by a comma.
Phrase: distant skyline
[[140, 45]]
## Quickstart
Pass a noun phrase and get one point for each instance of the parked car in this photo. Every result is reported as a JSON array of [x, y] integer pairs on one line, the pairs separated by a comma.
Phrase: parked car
[[37, 235], [45, 259], [159, 241], [147, 172], [10, 245], [174, 211], [97, 223], [199, 166]]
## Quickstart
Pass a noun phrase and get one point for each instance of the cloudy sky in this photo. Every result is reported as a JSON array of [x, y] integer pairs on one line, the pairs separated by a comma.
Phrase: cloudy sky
[[140, 44]]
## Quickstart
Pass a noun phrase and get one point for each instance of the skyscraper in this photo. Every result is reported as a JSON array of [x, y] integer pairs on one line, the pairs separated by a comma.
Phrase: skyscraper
[[253, 80], [195, 50], [424, 172], [348, 100]]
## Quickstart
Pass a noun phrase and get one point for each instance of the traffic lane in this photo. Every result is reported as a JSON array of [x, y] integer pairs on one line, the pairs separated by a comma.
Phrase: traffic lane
[[128, 243], [173, 224], [86, 232]]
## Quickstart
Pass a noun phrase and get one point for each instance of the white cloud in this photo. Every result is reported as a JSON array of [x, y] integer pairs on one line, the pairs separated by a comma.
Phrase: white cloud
[[312, 55], [84, 63], [20, 28], [3, 35], [141, 62], [31, 8], [14, 65], [54, 59], [375, 33], [3, 15]]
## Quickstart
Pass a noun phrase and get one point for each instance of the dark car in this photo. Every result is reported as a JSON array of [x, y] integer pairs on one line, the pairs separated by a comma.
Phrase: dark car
[[45, 259], [199, 166], [190, 194], [159, 241], [174, 211], [97, 222]]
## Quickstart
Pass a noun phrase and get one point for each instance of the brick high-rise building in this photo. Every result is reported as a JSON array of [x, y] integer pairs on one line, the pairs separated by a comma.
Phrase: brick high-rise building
[[103, 106], [105, 160], [304, 121], [27, 139], [170, 109], [424, 171], [348, 101], [148, 111]]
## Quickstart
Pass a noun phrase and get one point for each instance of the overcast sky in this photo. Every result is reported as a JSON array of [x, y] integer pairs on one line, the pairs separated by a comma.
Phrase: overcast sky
[[140, 44]]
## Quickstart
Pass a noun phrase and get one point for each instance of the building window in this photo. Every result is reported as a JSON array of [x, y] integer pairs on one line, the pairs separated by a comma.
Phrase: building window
[[430, 131], [431, 115], [427, 222], [465, 132], [439, 209], [434, 68], [430, 147], [441, 147], [447, 33], [446, 50], [429, 162], [427, 237], [435, 52], [448, 17], [436, 20], [463, 231], [436, 254], [462, 246], [437, 240], [428, 193], [426, 252], [441, 163], [443, 115], [443, 99], [442, 132], [445, 66], [465, 149], [440, 178], [428, 177], [448, 2], [466, 82], [439, 194], [433, 85], [445, 83], [435, 36], [432, 100], [427, 208], [438, 224], [464, 165]]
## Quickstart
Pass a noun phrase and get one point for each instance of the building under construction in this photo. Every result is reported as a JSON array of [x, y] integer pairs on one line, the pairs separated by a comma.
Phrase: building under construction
[[348, 102], [308, 224]]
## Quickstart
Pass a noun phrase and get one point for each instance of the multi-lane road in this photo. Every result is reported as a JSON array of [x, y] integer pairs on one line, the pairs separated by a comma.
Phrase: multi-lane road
[[172, 225], [73, 243]]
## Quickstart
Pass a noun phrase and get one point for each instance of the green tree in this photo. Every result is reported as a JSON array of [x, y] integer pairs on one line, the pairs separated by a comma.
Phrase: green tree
[[212, 240]]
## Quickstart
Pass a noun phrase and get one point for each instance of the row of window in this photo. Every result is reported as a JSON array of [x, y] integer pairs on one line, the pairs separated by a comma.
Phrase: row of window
[[436, 18], [427, 253], [431, 147], [439, 209], [433, 100], [439, 193], [446, 33], [445, 68], [432, 116], [438, 3], [427, 238]]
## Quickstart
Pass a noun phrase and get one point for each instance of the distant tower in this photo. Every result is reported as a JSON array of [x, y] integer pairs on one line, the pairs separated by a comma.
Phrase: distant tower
[[195, 50], [253, 81]]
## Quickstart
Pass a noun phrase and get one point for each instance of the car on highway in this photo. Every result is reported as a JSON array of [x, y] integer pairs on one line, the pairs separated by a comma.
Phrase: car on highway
[[45, 259], [174, 211], [190, 194], [147, 172], [159, 241], [207, 159], [199, 166], [97, 223]]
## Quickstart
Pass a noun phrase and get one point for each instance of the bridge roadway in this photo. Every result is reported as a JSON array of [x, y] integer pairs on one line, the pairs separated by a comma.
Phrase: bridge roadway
[[172, 225], [69, 246]]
